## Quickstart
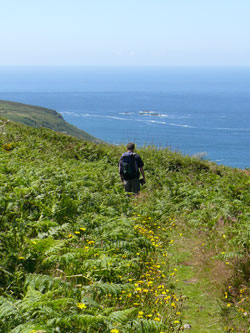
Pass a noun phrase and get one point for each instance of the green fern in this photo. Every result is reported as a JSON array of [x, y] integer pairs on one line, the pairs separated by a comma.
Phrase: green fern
[[145, 326], [41, 282], [101, 289], [123, 316], [8, 307], [28, 328]]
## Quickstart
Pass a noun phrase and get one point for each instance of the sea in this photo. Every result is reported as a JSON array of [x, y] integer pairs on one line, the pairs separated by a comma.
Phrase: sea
[[201, 111]]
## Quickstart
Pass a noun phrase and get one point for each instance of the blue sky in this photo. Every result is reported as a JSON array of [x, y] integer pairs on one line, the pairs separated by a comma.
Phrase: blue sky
[[125, 33]]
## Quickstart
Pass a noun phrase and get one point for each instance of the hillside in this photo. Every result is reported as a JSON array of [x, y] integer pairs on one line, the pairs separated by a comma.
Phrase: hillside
[[37, 116], [78, 255]]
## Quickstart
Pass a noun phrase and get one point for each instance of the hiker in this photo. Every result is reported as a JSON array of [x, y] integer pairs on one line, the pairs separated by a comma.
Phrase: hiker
[[130, 166]]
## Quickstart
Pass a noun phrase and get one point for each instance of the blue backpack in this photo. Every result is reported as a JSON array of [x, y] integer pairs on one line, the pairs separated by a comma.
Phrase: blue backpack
[[128, 166]]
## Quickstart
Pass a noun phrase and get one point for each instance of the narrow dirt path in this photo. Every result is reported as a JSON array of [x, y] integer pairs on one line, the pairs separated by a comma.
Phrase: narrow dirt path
[[200, 279]]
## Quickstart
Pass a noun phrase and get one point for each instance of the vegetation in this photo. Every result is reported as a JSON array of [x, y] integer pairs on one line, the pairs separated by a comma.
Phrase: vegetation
[[37, 116], [79, 255]]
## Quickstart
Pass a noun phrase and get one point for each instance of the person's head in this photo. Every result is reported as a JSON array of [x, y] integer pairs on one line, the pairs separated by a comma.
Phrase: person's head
[[130, 146]]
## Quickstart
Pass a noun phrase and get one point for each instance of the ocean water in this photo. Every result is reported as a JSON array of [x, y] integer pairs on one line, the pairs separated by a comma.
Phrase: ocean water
[[192, 110]]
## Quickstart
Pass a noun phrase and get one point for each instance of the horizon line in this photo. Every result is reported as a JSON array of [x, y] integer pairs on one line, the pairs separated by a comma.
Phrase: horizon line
[[124, 66]]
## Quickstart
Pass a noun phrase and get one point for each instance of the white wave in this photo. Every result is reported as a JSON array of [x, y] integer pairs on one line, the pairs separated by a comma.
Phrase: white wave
[[83, 115], [126, 113], [151, 121], [163, 115], [182, 125], [157, 122], [172, 116], [117, 118], [101, 116], [231, 129], [70, 113]]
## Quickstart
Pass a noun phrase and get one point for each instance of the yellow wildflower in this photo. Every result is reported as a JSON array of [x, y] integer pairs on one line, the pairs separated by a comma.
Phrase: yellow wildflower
[[140, 314], [81, 306]]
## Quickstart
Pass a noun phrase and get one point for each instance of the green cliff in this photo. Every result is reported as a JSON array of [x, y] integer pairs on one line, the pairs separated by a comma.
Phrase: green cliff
[[37, 116]]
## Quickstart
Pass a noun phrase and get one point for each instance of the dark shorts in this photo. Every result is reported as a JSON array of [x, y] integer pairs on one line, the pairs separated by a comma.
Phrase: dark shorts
[[132, 185]]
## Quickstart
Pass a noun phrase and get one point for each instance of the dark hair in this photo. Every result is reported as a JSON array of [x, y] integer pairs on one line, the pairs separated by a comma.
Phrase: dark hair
[[130, 146]]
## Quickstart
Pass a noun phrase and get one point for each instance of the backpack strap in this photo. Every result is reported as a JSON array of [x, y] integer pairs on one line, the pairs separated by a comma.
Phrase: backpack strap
[[136, 166]]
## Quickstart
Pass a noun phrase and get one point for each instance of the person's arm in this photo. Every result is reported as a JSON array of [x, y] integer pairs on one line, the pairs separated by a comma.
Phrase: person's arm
[[140, 166], [143, 174], [121, 176]]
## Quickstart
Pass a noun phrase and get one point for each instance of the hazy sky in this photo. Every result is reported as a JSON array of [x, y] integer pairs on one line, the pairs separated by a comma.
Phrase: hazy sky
[[125, 32]]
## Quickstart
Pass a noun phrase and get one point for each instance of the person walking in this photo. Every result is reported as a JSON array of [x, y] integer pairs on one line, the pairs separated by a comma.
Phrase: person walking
[[130, 167]]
